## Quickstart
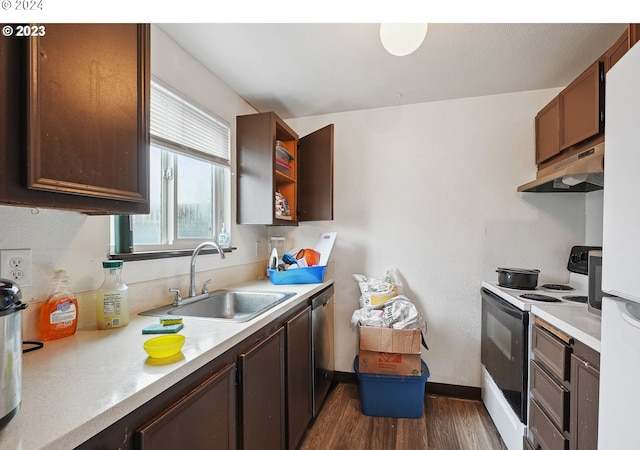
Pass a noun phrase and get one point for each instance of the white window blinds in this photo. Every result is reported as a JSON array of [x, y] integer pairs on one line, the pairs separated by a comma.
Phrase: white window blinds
[[185, 128]]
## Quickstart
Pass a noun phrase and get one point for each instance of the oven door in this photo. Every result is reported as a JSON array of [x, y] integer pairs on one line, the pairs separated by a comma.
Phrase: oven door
[[504, 349]]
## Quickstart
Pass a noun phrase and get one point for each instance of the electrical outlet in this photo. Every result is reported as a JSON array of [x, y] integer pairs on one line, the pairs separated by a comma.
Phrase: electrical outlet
[[15, 265], [258, 248]]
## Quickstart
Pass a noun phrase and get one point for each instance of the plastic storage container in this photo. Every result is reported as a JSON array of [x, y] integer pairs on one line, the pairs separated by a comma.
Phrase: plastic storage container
[[278, 243], [304, 275], [112, 298], [392, 395], [59, 314]]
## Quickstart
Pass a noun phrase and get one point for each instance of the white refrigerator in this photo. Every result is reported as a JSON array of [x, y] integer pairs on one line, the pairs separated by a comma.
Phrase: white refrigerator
[[620, 340]]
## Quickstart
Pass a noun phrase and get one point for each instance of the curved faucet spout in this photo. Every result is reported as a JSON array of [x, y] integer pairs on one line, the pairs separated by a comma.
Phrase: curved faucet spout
[[194, 255]]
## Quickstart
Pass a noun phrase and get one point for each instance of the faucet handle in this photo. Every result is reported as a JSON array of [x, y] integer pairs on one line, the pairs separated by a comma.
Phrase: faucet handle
[[177, 301], [205, 284]]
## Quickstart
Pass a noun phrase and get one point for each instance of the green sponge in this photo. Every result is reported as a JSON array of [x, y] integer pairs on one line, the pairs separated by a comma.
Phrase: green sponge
[[170, 320], [158, 328]]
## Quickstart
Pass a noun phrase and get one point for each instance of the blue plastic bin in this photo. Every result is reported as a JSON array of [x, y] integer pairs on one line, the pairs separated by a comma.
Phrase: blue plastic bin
[[392, 395], [303, 275]]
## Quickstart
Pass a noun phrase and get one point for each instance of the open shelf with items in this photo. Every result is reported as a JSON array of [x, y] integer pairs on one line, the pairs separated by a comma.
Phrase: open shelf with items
[[285, 197], [282, 179]]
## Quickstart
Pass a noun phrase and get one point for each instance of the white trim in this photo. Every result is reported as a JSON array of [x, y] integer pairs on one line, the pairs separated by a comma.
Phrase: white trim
[[509, 426]]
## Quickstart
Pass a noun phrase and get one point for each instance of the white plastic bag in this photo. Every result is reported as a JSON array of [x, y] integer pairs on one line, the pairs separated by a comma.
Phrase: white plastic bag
[[374, 292], [401, 313]]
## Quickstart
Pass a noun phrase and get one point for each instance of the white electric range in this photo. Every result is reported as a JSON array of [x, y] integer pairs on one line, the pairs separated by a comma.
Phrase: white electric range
[[572, 293], [505, 342]]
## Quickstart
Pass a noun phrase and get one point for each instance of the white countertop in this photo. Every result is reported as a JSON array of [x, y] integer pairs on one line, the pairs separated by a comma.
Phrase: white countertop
[[577, 322], [75, 387]]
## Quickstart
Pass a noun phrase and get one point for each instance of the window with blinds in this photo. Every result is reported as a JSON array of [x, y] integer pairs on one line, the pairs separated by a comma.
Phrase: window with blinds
[[186, 128], [190, 175]]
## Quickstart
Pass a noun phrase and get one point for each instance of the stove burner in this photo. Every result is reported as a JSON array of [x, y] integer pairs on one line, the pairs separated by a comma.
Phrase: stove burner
[[540, 297], [557, 287], [576, 298]]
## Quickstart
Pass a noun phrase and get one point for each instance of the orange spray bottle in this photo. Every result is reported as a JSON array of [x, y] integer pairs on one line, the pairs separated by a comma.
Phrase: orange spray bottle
[[59, 314]]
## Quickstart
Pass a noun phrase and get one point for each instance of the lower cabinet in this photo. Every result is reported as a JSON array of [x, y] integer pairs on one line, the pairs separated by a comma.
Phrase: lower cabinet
[[564, 386], [262, 394], [585, 394], [204, 418], [299, 376], [276, 387]]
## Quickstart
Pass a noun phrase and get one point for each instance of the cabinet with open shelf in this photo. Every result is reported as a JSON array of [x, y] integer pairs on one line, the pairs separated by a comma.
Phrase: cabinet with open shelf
[[276, 167]]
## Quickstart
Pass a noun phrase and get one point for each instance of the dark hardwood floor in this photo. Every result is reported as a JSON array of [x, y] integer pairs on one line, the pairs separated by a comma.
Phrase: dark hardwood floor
[[447, 424]]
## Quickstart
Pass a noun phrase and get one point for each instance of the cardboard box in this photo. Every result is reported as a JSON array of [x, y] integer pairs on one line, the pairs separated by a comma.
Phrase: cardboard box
[[389, 351]]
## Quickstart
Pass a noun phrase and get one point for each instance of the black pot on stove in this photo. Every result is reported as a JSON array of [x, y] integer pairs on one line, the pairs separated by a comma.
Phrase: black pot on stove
[[518, 278]]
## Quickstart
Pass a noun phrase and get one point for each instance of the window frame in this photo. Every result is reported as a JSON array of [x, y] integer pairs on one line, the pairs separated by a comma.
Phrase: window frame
[[221, 194]]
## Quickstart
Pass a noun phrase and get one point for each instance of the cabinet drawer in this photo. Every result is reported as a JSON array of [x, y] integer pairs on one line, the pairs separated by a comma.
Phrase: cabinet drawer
[[545, 432], [551, 351], [551, 395]]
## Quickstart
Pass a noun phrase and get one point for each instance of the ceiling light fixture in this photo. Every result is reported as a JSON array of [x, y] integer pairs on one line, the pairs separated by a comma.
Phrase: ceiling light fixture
[[401, 39]]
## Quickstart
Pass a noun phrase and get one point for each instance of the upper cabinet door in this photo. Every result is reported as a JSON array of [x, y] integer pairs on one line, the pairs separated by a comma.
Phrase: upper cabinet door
[[74, 118], [548, 131], [634, 33], [582, 107], [616, 51], [88, 92], [315, 175]]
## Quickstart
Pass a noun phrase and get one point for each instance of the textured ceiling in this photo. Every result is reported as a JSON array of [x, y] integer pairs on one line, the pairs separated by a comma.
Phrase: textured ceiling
[[299, 70]]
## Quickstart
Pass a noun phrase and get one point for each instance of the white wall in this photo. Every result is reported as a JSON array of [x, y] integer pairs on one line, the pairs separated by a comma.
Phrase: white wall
[[431, 190]]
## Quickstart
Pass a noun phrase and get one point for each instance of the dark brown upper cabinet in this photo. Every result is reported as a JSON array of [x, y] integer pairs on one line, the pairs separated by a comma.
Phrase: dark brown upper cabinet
[[616, 51], [630, 36], [548, 131], [634, 33], [305, 180], [575, 115], [581, 106], [75, 113], [575, 118], [315, 175]]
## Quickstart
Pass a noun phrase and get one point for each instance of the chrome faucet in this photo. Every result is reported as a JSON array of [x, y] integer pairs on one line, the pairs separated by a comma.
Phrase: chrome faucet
[[194, 255]]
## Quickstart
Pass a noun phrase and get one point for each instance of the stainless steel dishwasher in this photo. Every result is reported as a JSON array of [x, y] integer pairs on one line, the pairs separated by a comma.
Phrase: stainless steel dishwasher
[[322, 343]]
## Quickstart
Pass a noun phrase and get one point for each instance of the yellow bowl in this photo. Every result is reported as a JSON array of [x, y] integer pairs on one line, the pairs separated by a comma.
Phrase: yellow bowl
[[164, 346]]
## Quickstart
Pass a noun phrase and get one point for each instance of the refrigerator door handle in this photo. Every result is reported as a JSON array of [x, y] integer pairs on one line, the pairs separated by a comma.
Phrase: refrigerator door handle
[[630, 312]]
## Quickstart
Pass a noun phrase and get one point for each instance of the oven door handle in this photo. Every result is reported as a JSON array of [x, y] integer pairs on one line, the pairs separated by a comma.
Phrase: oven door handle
[[502, 304]]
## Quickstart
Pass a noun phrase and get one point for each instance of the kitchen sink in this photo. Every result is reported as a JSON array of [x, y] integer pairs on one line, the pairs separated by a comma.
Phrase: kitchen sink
[[228, 305]]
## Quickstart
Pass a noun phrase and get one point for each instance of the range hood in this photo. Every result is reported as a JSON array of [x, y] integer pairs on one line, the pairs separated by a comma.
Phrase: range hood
[[583, 172]]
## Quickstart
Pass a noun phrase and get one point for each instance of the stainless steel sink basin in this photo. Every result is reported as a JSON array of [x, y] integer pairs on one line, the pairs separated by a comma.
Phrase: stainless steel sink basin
[[228, 305]]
